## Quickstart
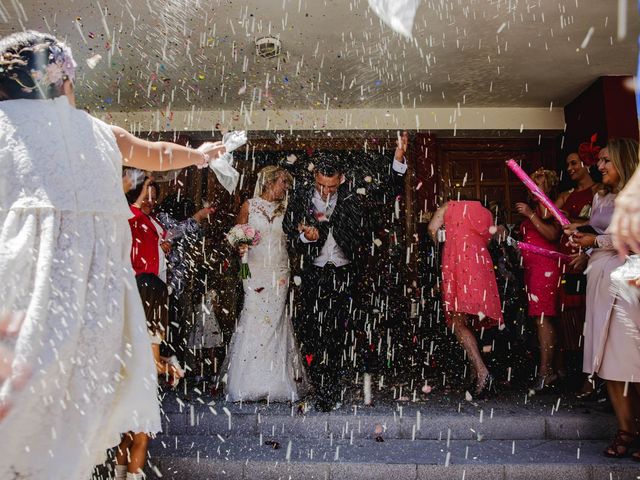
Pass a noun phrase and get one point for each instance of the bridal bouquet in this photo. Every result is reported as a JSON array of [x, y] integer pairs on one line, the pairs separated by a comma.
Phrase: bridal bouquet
[[244, 234]]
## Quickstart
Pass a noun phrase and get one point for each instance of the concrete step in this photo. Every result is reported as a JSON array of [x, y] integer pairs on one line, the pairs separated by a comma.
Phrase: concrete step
[[248, 458], [410, 422]]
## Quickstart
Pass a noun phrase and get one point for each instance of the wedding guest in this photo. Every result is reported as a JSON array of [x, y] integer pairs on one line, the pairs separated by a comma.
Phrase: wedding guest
[[182, 223], [576, 204], [542, 273], [612, 324], [65, 263], [469, 290], [183, 226], [148, 257]]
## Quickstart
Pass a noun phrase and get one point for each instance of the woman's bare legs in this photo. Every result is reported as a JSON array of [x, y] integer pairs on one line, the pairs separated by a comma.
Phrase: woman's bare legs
[[468, 341], [547, 342], [132, 451], [626, 408]]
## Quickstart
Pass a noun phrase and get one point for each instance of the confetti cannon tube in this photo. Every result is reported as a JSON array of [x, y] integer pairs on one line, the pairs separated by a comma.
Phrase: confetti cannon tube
[[531, 185], [527, 247]]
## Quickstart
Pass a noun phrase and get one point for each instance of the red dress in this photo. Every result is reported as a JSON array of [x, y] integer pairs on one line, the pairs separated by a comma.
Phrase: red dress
[[541, 274], [146, 255], [468, 277], [577, 205]]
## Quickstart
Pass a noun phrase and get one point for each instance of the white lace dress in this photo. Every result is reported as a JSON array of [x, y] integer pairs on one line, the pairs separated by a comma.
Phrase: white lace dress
[[263, 361], [64, 261]]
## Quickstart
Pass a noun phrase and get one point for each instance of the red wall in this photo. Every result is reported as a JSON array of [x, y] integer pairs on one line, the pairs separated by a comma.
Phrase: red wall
[[607, 108]]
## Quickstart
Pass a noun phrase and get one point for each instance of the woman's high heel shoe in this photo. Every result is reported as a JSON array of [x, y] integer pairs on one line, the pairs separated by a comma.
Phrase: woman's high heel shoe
[[543, 381]]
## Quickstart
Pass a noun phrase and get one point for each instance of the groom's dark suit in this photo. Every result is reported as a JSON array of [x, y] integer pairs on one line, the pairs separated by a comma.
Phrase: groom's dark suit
[[324, 322]]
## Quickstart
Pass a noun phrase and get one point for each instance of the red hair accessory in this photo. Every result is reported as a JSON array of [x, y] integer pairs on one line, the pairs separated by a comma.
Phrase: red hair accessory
[[588, 151]]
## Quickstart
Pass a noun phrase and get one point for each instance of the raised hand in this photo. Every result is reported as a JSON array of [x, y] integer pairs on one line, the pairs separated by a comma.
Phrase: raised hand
[[402, 144], [203, 213], [524, 209], [211, 151]]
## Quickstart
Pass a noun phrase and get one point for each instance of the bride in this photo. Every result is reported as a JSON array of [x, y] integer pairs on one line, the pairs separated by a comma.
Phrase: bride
[[263, 361]]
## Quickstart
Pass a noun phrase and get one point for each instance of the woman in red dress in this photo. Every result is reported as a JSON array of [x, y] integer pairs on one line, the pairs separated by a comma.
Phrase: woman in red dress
[[469, 289], [542, 274], [576, 203]]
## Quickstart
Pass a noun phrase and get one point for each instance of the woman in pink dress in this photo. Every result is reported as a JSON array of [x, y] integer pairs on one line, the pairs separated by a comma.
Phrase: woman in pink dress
[[469, 289], [541, 273]]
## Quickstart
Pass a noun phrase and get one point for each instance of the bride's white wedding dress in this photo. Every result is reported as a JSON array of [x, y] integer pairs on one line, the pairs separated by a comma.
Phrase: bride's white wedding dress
[[263, 361]]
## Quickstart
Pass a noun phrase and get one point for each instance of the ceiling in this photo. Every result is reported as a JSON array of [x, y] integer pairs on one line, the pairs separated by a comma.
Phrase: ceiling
[[198, 54]]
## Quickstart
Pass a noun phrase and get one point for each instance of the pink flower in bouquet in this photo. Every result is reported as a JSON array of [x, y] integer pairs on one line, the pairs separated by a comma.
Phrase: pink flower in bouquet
[[249, 231], [243, 234], [256, 238]]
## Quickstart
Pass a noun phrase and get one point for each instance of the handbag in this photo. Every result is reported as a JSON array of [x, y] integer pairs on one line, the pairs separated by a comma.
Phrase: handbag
[[574, 283]]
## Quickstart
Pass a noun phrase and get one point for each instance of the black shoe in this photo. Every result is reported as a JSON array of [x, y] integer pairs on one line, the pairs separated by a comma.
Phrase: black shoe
[[327, 405], [543, 382], [323, 406]]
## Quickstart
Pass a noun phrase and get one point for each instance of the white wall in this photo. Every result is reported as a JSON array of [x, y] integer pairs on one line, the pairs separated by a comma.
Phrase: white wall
[[343, 119]]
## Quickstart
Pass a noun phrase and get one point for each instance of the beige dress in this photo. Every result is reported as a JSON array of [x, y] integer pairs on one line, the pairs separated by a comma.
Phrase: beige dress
[[612, 322]]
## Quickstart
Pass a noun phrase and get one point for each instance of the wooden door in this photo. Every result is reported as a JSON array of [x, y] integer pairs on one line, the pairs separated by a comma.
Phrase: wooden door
[[476, 169]]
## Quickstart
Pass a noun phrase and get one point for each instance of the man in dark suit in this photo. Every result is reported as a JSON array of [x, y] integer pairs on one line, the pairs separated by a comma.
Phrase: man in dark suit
[[328, 226]]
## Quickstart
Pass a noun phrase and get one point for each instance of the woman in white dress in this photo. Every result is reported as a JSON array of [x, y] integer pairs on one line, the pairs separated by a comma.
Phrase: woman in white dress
[[82, 371], [263, 361]]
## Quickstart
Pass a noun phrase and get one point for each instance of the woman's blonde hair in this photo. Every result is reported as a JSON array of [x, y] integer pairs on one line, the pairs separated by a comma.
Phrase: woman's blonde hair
[[549, 180], [267, 177], [623, 153]]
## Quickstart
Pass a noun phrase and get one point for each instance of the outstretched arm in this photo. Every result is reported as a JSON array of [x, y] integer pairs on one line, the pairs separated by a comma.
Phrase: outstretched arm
[[399, 165], [161, 156]]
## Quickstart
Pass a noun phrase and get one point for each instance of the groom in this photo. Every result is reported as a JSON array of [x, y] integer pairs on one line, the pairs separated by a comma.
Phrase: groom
[[328, 227]]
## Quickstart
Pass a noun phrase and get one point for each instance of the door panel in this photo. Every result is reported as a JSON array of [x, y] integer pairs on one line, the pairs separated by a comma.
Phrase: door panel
[[476, 169]]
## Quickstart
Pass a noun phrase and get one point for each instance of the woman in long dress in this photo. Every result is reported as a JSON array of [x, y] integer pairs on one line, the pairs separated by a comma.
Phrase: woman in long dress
[[82, 371], [263, 359], [612, 323]]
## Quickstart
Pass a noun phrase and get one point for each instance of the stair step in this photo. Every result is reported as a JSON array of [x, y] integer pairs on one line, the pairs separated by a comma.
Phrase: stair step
[[415, 423], [244, 458]]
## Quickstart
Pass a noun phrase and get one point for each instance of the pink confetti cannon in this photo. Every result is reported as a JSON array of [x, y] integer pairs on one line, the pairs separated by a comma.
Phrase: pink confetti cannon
[[528, 247], [531, 185]]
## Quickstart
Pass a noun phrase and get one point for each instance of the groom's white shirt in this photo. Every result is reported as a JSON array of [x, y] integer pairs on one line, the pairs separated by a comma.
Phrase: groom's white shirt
[[331, 251]]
